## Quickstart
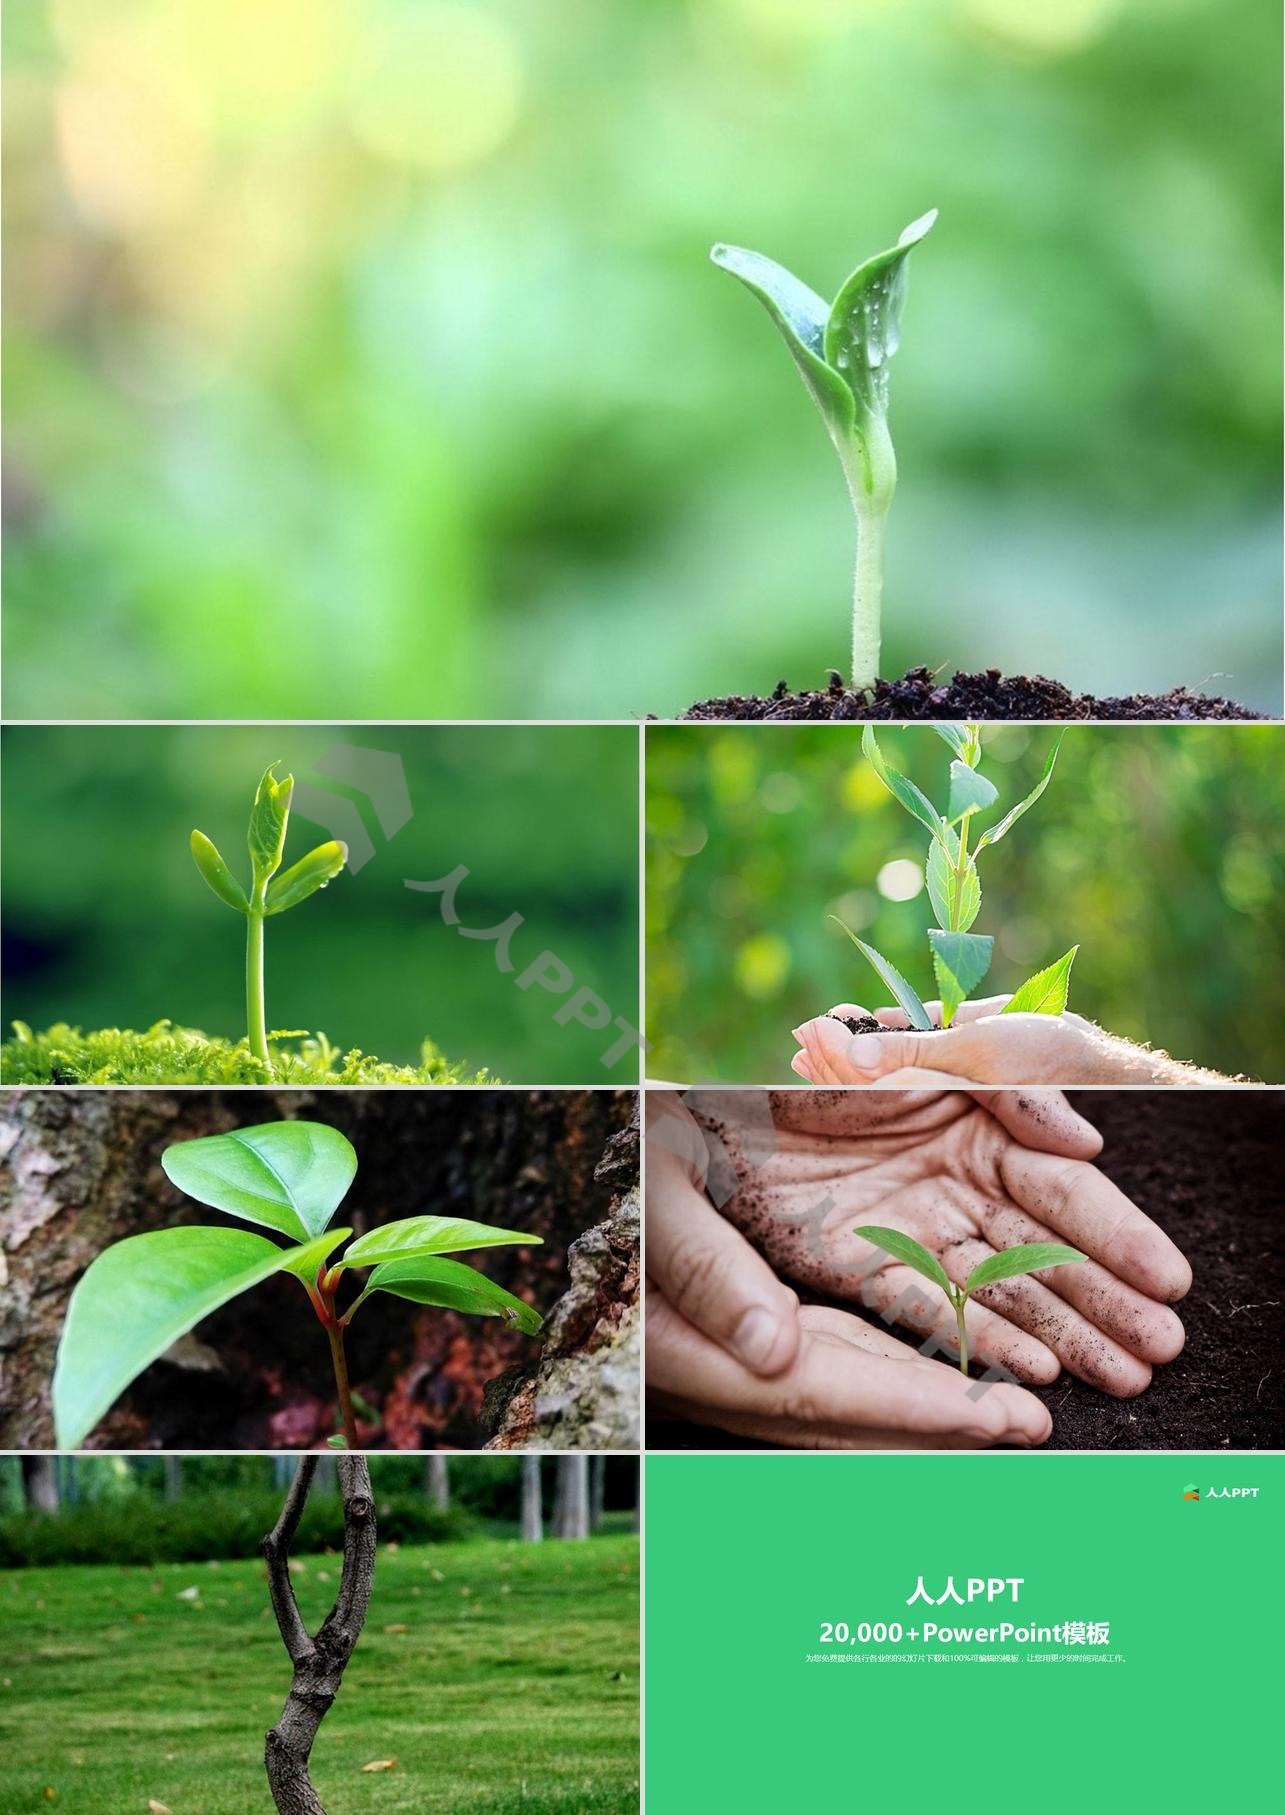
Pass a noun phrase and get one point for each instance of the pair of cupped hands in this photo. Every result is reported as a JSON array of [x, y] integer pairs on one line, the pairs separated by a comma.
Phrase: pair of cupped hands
[[966, 1174]]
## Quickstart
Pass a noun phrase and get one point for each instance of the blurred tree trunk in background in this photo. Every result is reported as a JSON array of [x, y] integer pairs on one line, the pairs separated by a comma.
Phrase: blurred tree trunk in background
[[437, 1482], [571, 1509], [173, 1478], [532, 1507], [40, 1484], [597, 1490]]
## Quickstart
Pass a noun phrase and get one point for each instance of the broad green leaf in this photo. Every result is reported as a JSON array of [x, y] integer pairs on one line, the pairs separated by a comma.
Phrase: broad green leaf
[[429, 1281], [217, 873], [336, 1443], [969, 791], [864, 328], [903, 1248], [913, 799], [430, 1235], [916, 1013], [304, 878], [954, 735], [290, 1176], [1045, 993], [268, 819], [995, 833], [308, 1261], [1030, 1257], [801, 315], [140, 1296], [960, 961], [944, 887]]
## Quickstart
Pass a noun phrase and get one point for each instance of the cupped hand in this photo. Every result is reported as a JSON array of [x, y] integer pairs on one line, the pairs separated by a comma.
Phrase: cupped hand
[[849, 1386], [981, 1046], [964, 1180]]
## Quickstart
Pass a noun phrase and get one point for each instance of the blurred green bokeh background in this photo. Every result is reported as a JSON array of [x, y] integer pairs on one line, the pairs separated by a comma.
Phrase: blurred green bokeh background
[[108, 923], [364, 361], [1160, 851]]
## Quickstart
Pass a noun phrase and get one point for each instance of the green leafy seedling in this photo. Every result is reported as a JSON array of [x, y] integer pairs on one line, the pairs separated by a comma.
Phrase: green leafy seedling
[[842, 351], [142, 1294], [269, 893], [1010, 1263], [960, 958]]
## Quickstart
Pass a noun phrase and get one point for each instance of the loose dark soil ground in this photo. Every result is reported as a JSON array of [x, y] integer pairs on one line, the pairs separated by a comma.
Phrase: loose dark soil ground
[[1209, 1167], [922, 694]]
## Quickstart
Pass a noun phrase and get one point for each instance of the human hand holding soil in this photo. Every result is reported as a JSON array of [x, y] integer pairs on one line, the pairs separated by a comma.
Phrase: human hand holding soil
[[982, 1046], [965, 1176]]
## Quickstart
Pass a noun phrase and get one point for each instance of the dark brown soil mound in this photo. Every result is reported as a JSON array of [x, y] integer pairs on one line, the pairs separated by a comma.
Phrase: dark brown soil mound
[[921, 694]]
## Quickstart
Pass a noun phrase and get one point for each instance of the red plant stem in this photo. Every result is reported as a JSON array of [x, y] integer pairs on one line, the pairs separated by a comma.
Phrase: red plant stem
[[335, 1332]]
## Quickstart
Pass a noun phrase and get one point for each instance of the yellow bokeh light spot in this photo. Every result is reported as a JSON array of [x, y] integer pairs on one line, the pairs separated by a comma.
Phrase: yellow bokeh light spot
[[437, 87], [762, 965], [1043, 27]]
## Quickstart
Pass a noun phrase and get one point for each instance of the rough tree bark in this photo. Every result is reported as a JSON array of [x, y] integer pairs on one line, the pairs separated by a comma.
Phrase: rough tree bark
[[532, 1506], [319, 1662]]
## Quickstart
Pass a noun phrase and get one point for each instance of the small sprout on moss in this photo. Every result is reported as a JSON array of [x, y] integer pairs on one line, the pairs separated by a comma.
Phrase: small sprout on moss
[[960, 958], [1010, 1263], [269, 893], [842, 351], [143, 1293]]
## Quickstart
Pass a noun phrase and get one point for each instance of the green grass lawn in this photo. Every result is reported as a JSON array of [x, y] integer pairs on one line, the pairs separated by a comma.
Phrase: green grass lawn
[[512, 1690]]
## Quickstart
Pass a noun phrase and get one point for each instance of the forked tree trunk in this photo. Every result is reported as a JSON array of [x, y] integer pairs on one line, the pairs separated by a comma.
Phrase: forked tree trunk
[[532, 1508], [320, 1662]]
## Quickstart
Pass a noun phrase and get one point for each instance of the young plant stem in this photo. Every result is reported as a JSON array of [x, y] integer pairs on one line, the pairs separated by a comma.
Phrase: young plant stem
[[959, 1302], [255, 1017], [335, 1331], [872, 479]]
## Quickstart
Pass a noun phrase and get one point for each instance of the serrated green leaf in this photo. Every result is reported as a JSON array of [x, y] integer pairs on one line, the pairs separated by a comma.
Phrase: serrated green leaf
[[951, 900], [141, 1295], [916, 1013], [430, 1235], [904, 1248], [429, 1281], [800, 315], [969, 791], [217, 873], [995, 833], [1029, 1257], [290, 1176], [960, 961], [304, 878], [269, 817], [902, 789], [864, 326], [1045, 993]]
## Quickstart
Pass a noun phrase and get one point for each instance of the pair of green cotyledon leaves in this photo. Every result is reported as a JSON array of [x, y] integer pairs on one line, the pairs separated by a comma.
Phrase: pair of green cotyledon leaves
[[141, 1295]]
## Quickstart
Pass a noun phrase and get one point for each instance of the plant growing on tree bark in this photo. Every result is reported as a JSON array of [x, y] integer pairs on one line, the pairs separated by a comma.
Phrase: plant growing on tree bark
[[269, 893], [842, 351], [960, 958], [1011, 1263], [319, 1662], [142, 1294]]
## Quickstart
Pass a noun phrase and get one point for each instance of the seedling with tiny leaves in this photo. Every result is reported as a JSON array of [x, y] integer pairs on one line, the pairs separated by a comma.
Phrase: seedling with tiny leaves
[[842, 351], [141, 1295], [269, 893], [1010, 1263], [960, 958]]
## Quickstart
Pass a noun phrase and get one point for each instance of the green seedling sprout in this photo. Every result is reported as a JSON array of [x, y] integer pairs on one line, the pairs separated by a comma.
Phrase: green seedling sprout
[[269, 893], [842, 351], [960, 958], [142, 1294], [1011, 1263]]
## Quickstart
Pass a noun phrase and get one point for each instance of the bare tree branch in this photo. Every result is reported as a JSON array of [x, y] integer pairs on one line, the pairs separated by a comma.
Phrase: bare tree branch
[[319, 1663]]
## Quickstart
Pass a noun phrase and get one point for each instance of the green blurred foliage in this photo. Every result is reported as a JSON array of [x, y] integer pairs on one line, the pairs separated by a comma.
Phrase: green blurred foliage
[[1160, 851], [109, 923], [363, 359]]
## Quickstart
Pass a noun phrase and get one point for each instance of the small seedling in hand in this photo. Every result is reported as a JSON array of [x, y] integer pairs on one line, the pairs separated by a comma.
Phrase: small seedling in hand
[[1011, 1263], [960, 958], [141, 1295], [269, 893], [842, 351]]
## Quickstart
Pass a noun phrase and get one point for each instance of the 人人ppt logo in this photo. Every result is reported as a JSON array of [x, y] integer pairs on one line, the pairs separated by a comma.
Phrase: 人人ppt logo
[[1192, 1492]]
